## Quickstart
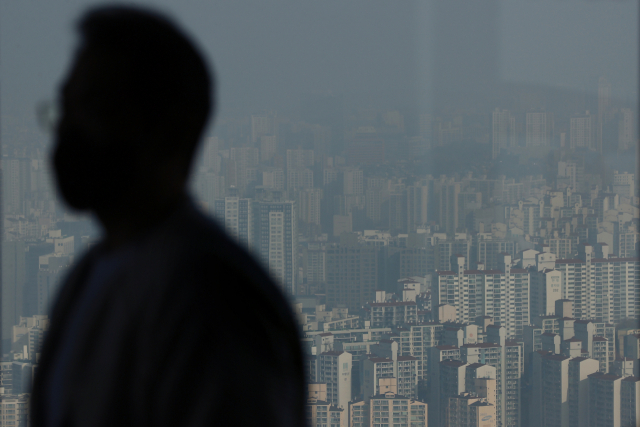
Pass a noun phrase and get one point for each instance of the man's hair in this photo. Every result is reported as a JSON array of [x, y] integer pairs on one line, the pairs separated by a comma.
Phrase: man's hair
[[164, 79]]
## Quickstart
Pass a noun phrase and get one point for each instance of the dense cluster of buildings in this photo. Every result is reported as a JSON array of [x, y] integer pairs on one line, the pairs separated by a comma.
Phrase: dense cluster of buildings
[[480, 297]]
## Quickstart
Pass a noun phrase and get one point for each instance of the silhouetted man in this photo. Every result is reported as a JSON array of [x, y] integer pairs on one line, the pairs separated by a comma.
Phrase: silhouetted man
[[166, 322]]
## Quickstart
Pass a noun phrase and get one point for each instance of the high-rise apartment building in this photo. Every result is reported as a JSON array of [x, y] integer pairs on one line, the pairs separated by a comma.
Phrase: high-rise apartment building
[[604, 108], [299, 178], [417, 197], [16, 184], [276, 240], [321, 413], [273, 178], [334, 370], [560, 396], [624, 184], [13, 280], [487, 251], [582, 131], [211, 158], [502, 294], [448, 375], [300, 159], [245, 160], [604, 400], [416, 339], [539, 129], [268, 147], [446, 192], [236, 216], [15, 410], [261, 125], [600, 288], [352, 181], [52, 268], [309, 201], [503, 128], [390, 409], [403, 369], [469, 410], [352, 275], [625, 129]]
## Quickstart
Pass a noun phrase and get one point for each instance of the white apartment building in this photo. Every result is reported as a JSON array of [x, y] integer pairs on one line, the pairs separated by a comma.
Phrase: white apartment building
[[276, 241], [299, 178], [560, 395], [353, 181], [582, 131], [30, 333], [470, 410], [416, 340], [545, 291], [503, 355], [14, 410], [387, 314], [273, 178], [600, 288], [334, 369], [394, 410], [321, 413], [502, 294], [610, 403], [629, 401], [388, 364], [624, 184], [236, 216]]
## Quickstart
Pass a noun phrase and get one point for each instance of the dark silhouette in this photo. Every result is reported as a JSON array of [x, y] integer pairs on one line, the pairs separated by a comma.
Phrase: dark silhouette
[[166, 322]]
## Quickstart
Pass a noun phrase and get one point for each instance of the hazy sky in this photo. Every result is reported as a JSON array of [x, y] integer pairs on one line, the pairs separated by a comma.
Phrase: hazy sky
[[268, 53]]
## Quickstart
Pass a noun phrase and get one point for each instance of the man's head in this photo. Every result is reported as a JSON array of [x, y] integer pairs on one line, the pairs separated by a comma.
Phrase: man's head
[[134, 106]]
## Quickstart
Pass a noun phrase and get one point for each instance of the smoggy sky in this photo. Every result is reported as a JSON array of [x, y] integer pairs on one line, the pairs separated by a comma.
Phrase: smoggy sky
[[269, 53]]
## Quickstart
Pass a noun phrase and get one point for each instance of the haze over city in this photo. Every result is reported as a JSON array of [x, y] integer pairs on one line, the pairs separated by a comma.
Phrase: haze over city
[[446, 192]]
